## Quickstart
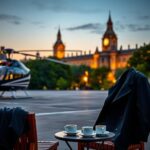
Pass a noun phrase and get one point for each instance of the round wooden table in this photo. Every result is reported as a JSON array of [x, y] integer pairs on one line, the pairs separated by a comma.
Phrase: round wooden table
[[80, 138]]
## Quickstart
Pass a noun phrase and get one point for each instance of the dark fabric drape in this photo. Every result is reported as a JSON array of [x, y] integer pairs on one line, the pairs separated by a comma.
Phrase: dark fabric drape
[[12, 125], [126, 110]]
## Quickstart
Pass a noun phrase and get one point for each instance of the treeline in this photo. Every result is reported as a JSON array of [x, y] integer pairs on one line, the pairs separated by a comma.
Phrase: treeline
[[141, 59], [54, 76], [48, 75]]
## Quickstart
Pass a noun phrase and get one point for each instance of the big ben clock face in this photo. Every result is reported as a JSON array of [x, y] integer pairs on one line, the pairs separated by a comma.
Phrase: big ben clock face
[[106, 42]]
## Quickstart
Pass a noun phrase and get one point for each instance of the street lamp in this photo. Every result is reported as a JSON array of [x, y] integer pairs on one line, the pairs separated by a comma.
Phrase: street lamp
[[85, 78]]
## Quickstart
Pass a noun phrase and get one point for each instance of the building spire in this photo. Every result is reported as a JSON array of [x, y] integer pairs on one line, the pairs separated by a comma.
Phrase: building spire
[[109, 14], [59, 34], [109, 22], [59, 47], [96, 50], [109, 40]]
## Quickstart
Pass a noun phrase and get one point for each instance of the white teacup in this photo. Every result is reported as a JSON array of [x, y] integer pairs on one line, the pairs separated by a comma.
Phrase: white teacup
[[100, 129], [87, 130], [70, 128]]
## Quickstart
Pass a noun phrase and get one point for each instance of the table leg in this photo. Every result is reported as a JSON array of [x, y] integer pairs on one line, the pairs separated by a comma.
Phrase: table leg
[[87, 146], [68, 145], [101, 146]]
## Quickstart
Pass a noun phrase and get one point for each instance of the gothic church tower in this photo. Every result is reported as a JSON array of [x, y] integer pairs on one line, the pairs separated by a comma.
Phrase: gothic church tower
[[59, 47], [109, 39]]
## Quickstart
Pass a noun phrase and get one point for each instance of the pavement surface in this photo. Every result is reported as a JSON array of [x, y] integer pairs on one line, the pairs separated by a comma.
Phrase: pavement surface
[[55, 109]]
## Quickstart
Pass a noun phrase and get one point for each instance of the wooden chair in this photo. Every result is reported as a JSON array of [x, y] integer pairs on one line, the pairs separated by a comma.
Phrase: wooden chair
[[28, 141], [108, 145]]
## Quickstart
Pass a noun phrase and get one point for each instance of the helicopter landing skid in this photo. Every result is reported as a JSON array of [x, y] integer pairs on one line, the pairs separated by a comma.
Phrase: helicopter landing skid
[[2, 93], [14, 95]]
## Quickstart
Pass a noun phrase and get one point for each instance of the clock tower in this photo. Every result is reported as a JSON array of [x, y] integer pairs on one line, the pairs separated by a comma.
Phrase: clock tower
[[109, 39], [59, 47]]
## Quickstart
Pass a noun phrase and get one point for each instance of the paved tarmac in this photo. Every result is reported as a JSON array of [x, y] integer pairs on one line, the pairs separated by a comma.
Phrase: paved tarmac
[[55, 109]]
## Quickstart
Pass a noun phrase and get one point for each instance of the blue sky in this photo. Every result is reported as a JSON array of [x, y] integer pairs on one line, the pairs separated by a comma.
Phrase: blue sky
[[33, 24]]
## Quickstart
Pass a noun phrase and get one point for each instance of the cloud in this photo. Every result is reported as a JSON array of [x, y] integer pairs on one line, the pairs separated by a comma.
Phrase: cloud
[[93, 27], [119, 26], [131, 27], [135, 27], [65, 6], [10, 18], [84, 27], [146, 17], [56, 6], [39, 24]]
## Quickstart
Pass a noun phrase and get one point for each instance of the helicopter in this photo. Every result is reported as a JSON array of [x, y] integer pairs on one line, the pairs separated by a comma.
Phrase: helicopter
[[14, 75]]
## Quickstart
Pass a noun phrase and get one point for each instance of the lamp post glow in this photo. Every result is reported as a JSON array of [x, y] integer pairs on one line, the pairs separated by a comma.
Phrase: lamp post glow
[[85, 78]]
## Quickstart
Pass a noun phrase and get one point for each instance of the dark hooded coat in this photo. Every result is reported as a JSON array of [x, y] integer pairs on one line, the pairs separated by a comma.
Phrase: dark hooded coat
[[126, 110]]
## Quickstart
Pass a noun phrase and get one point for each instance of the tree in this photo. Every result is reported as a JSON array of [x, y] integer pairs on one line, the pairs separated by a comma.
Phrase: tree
[[141, 59], [62, 84], [44, 74], [77, 76], [98, 77], [119, 72]]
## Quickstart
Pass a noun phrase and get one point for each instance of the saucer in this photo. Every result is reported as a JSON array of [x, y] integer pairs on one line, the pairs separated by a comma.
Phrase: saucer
[[90, 135], [106, 133], [71, 133]]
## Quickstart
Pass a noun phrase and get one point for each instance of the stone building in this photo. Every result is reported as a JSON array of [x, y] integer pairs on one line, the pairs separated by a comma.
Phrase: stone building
[[59, 47], [109, 56]]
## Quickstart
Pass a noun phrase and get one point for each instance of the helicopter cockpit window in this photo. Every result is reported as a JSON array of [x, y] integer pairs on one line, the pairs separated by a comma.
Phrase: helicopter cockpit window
[[2, 72], [13, 73], [14, 70], [9, 74], [21, 67]]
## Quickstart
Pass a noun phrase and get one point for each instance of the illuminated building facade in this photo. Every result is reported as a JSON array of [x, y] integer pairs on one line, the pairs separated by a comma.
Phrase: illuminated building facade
[[59, 47], [109, 56]]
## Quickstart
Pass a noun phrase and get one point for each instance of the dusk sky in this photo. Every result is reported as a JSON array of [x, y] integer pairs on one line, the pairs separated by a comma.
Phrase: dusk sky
[[33, 24]]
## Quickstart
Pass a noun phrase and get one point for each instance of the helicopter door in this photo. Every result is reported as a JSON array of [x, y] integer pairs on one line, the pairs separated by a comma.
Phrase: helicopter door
[[2, 72]]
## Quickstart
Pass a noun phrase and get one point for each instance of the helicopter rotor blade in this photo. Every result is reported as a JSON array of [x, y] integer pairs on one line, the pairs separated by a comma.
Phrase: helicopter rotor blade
[[57, 61], [48, 59], [9, 51], [25, 54]]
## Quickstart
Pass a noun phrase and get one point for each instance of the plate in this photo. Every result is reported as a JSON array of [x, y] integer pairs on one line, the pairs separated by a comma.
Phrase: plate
[[71, 134], [91, 135], [106, 133]]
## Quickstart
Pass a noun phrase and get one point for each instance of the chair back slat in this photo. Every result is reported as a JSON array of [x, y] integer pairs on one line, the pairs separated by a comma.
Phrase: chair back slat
[[108, 145], [28, 141]]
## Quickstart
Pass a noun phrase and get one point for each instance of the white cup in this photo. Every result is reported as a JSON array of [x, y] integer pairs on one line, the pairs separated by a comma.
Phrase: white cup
[[87, 130], [70, 128], [100, 129]]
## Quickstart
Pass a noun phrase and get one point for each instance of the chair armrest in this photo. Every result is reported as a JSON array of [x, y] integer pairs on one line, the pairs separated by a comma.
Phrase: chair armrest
[[32, 146]]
